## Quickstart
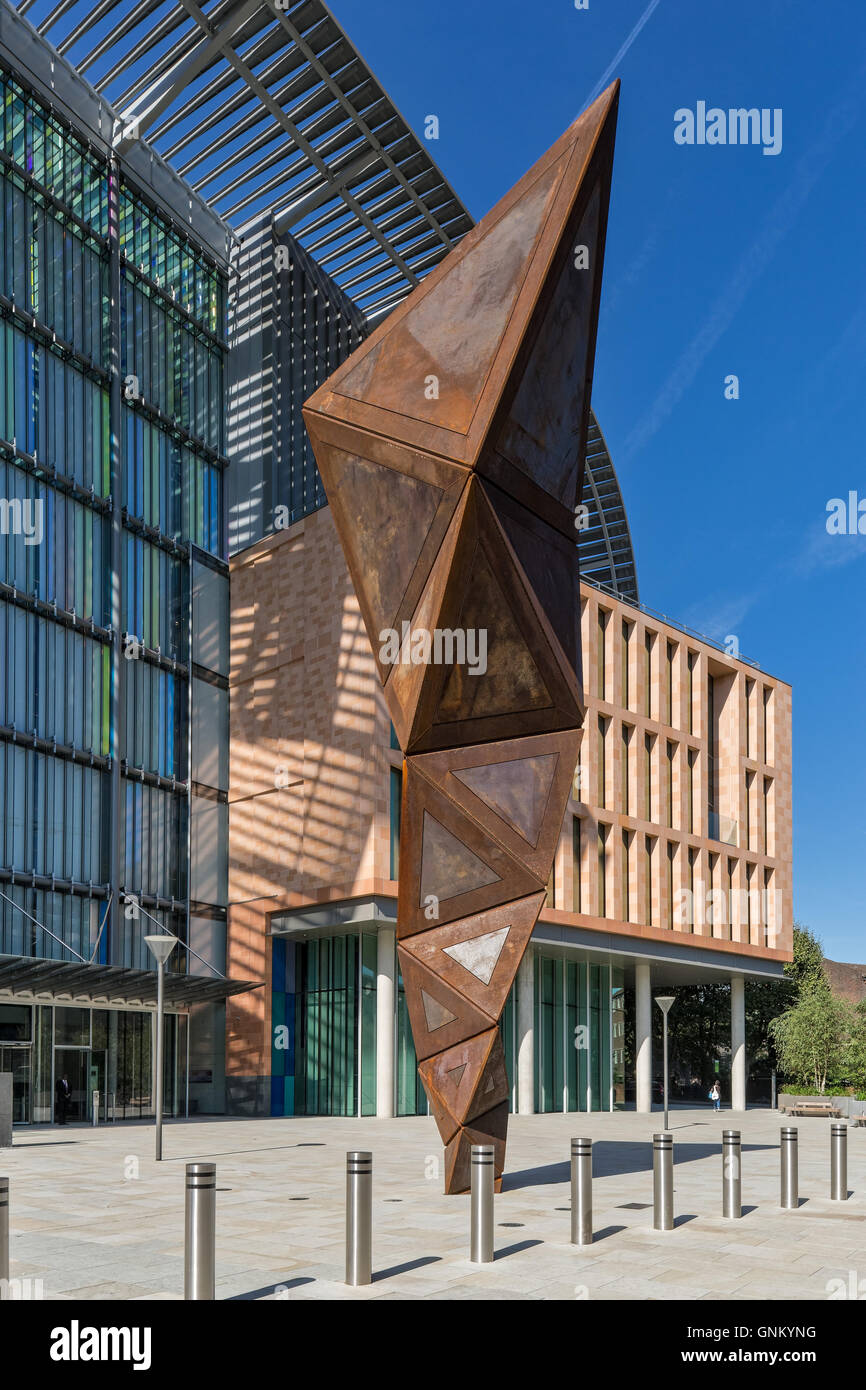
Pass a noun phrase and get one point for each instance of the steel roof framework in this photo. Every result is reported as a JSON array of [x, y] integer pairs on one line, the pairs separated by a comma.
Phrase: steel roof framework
[[261, 108], [264, 108]]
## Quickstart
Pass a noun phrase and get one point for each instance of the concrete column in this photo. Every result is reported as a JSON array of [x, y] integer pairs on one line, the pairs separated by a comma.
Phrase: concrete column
[[738, 1042], [526, 1034], [386, 971], [643, 1007]]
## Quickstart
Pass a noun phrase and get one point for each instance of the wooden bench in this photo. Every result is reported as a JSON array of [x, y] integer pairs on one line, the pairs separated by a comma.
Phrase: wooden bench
[[816, 1107], [858, 1119]]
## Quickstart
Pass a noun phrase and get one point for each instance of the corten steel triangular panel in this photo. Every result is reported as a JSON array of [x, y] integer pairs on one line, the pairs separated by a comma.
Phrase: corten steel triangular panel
[[489, 1128], [405, 679], [482, 287], [547, 560], [536, 446], [440, 1016], [493, 1088], [460, 317], [505, 787], [455, 869], [466, 969], [452, 447], [451, 1080], [525, 684], [392, 507]]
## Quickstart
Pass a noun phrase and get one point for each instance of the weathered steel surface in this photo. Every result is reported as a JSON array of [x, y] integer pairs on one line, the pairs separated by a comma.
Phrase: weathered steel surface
[[451, 446]]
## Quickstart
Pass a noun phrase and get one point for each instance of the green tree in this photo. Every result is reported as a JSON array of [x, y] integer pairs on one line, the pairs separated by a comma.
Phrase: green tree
[[813, 1036]]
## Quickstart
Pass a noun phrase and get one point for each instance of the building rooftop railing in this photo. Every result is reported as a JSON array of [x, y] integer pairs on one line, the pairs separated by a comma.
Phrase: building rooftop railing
[[671, 622]]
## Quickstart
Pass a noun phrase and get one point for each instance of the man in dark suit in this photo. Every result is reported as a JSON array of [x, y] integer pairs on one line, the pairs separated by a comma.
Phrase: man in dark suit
[[63, 1094]]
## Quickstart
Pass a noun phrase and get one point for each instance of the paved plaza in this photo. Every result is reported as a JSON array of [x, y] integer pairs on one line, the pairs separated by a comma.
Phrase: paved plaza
[[94, 1217]]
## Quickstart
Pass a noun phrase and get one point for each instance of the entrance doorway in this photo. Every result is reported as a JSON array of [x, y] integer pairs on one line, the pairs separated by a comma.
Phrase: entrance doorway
[[16, 1058], [74, 1064]]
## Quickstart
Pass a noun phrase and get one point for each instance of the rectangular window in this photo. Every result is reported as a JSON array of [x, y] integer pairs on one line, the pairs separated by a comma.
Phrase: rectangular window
[[602, 871], [768, 845], [649, 844], [750, 691], [750, 777], [669, 682], [647, 777], [601, 655], [626, 770], [692, 663], [396, 807], [693, 757], [602, 760], [671, 854], [669, 781], [647, 674], [625, 893], [768, 714], [624, 654], [576, 884], [692, 858]]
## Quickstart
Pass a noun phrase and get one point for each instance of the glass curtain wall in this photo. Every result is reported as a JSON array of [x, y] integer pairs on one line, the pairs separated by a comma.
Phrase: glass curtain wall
[[323, 1049], [57, 243], [573, 1004]]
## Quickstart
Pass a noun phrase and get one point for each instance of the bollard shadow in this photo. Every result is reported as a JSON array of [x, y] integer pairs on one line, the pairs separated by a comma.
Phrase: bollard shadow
[[612, 1157], [606, 1232], [404, 1268], [681, 1220], [253, 1294], [515, 1249]]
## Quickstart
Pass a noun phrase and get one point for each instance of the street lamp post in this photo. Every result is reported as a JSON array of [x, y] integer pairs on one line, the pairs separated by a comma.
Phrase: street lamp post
[[160, 948], [664, 1002]]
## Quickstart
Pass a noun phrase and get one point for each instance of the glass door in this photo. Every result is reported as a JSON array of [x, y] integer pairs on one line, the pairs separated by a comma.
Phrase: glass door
[[16, 1058], [73, 1063]]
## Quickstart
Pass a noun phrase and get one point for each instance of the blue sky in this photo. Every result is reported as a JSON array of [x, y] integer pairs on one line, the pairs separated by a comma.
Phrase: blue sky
[[719, 260]]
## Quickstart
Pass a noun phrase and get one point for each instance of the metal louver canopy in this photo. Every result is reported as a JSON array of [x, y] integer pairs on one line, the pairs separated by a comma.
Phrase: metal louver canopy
[[261, 108]]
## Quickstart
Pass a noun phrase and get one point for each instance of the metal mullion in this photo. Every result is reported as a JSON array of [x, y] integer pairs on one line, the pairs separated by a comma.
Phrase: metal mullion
[[353, 114], [257, 193], [186, 65], [81, 28], [300, 139], [371, 274], [333, 209], [268, 161], [241, 98], [173, 20], [56, 14]]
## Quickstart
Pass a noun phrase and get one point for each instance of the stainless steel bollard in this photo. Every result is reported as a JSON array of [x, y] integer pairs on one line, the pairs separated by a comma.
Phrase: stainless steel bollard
[[663, 1182], [95, 1115], [200, 1233], [839, 1162], [359, 1217], [481, 1166], [732, 1200], [4, 1235], [790, 1193], [581, 1192]]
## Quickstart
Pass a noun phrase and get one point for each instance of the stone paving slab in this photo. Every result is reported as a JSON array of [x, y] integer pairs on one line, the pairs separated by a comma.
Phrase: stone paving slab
[[95, 1217]]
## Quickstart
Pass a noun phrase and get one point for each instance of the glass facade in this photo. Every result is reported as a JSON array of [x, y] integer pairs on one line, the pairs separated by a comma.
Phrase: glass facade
[[323, 1049], [104, 1051], [57, 244], [112, 429]]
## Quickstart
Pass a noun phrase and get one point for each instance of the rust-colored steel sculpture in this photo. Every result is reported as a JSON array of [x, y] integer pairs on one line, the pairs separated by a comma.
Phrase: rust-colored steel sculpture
[[451, 446]]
